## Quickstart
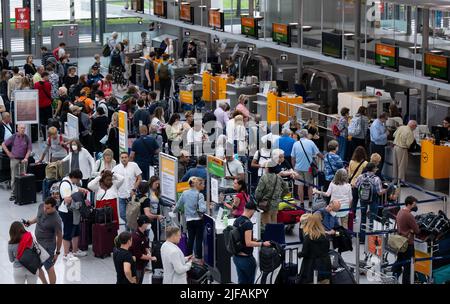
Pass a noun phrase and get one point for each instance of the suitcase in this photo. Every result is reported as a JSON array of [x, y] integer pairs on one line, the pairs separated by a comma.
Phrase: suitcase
[[53, 122], [39, 173], [25, 187], [289, 216], [289, 270], [109, 203], [156, 249], [198, 274], [85, 235], [340, 272], [157, 276], [103, 239], [351, 218]]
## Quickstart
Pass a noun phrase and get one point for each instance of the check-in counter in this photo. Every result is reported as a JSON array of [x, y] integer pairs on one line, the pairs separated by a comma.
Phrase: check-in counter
[[215, 87], [435, 164], [266, 106], [234, 91]]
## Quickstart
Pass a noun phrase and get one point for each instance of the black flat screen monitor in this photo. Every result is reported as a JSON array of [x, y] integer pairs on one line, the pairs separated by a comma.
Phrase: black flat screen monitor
[[216, 68], [283, 86], [439, 133]]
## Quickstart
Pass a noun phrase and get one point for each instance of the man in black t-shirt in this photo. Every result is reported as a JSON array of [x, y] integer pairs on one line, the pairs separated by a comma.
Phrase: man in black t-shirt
[[124, 262], [149, 69], [245, 261], [144, 151]]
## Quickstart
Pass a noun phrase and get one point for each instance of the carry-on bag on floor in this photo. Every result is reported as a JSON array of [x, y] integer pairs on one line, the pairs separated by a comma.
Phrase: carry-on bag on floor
[[103, 239], [289, 269], [85, 235], [39, 173], [156, 250], [5, 169], [340, 272], [25, 187], [157, 276], [198, 274]]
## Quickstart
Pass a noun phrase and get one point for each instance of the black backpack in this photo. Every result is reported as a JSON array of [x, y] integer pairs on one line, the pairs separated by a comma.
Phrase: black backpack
[[366, 191], [270, 258], [232, 237]]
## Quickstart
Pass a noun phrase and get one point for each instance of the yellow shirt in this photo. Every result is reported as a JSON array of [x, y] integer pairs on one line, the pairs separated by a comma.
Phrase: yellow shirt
[[351, 169], [403, 137]]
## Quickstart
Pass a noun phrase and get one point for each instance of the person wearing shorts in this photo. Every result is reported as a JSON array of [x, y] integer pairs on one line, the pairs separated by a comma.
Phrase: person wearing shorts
[[303, 153], [48, 235]]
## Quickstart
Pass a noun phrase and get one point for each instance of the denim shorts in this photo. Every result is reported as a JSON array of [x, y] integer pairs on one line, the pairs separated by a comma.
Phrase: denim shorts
[[69, 229], [49, 262]]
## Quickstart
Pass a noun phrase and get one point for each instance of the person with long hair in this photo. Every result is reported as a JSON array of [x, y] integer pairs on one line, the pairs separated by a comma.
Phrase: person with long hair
[[189, 123], [315, 252], [240, 199], [174, 130], [342, 126], [355, 169], [18, 236], [113, 136], [149, 193], [158, 120], [29, 67], [25, 84], [106, 162], [341, 191], [80, 158], [4, 88]]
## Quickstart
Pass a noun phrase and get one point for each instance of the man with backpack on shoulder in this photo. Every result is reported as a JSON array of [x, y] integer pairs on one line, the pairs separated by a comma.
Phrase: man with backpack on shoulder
[[240, 242], [165, 73], [369, 187]]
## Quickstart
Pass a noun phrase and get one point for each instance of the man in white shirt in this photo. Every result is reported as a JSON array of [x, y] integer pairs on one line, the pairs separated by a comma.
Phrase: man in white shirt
[[233, 170], [175, 264], [132, 177]]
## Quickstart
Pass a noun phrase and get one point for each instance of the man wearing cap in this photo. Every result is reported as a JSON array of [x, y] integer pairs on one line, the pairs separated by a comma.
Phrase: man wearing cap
[[245, 261], [94, 76], [140, 247], [183, 163]]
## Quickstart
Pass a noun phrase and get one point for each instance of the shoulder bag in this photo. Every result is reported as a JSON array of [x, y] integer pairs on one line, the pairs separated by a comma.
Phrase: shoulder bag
[[397, 243], [200, 213], [356, 171], [313, 169], [264, 204]]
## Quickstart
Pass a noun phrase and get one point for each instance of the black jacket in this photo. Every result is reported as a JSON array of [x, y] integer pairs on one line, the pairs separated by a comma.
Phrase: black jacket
[[2, 131], [315, 257]]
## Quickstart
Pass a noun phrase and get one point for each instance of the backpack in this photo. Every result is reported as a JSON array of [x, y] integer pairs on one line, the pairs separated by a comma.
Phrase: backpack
[[365, 191], [232, 237], [163, 72], [54, 171], [56, 53], [355, 126], [335, 129], [133, 211], [270, 258], [106, 51]]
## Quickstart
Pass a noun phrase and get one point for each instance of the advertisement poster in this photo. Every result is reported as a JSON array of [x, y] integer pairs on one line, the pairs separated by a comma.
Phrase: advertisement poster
[[436, 66], [72, 131], [169, 180], [26, 106], [160, 8], [248, 26], [280, 33], [22, 18], [332, 44], [386, 55], [216, 19], [123, 131]]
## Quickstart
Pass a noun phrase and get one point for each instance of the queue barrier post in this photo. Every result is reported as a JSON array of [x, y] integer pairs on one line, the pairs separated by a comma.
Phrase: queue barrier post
[[316, 276], [357, 258], [411, 271]]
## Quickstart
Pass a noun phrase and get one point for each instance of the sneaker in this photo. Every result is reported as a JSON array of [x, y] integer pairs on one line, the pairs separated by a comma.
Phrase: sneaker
[[80, 253], [69, 257]]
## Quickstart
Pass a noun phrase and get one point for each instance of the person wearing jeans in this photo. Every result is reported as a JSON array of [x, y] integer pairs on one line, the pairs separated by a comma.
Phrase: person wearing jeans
[[193, 203], [244, 260], [18, 148], [407, 227]]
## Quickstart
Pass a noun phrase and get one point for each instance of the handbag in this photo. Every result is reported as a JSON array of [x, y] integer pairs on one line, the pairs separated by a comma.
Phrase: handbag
[[397, 243], [31, 259], [264, 205], [313, 169]]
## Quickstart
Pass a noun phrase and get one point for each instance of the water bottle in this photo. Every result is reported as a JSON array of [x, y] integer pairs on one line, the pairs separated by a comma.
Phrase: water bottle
[[225, 218]]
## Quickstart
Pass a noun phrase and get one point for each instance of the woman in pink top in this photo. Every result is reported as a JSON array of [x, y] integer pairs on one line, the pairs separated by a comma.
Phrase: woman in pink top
[[241, 107], [106, 85], [240, 199]]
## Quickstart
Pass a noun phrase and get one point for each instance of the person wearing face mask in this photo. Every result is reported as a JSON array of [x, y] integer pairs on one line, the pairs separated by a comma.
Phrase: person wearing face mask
[[80, 158], [329, 219], [407, 227]]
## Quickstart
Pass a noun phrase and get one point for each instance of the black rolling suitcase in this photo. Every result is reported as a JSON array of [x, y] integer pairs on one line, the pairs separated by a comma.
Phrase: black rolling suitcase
[[38, 170], [340, 272], [198, 274], [25, 187]]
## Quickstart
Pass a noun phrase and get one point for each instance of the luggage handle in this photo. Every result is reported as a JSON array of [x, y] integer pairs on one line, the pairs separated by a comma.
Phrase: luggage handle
[[24, 166]]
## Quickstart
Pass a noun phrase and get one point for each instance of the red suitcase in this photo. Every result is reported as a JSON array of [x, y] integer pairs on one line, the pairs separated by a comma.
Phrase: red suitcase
[[289, 216], [103, 239]]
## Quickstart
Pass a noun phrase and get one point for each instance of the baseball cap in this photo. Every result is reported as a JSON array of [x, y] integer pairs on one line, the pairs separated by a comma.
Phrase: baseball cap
[[252, 206]]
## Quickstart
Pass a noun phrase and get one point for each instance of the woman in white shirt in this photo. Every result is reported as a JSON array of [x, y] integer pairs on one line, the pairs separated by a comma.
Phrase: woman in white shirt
[[106, 162], [221, 144], [80, 158], [340, 190], [237, 133], [262, 156], [195, 137], [158, 120]]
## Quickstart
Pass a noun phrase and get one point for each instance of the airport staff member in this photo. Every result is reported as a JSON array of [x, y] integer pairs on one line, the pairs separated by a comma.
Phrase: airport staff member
[[403, 139], [378, 137]]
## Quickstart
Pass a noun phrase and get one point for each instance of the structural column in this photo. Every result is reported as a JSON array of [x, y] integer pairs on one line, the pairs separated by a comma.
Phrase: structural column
[[27, 33], [357, 40], [37, 27], [299, 11], [408, 20], [93, 22], [72, 11], [425, 46], [6, 26], [102, 19]]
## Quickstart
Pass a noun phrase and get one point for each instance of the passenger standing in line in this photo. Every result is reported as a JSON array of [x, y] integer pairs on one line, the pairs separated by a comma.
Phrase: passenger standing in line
[[193, 203], [285, 143], [113, 136], [332, 162], [407, 227], [18, 236], [14, 83], [45, 101], [175, 264], [378, 138], [144, 152], [244, 261], [124, 262], [355, 168], [329, 220], [342, 126], [150, 72], [80, 159], [48, 234], [18, 148], [315, 252], [403, 139], [165, 73], [106, 162], [360, 138]]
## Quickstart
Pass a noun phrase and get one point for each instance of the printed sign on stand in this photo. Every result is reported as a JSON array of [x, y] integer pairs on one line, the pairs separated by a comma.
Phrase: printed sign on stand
[[215, 190], [168, 172], [26, 106], [123, 131], [22, 18], [72, 126], [216, 166]]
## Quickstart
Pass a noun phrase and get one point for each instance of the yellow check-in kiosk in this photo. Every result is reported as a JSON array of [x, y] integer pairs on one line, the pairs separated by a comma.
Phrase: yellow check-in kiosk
[[215, 87], [286, 102], [434, 161]]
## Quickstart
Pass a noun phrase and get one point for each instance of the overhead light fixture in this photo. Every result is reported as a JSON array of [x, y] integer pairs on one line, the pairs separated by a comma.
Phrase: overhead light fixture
[[284, 57], [187, 33], [216, 40], [250, 48]]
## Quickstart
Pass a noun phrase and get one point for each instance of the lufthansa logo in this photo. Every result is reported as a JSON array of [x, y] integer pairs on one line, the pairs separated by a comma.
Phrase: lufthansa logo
[[425, 157]]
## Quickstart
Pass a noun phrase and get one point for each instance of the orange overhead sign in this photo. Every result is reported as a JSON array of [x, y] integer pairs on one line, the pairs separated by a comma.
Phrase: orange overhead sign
[[185, 12]]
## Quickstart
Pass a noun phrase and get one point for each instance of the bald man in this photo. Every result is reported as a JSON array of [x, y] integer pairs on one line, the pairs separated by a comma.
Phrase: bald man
[[329, 219], [20, 145], [403, 139]]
